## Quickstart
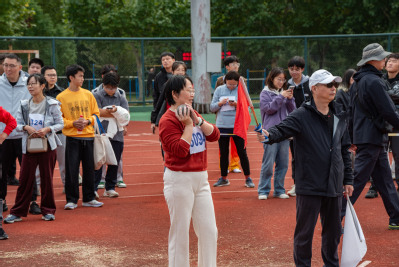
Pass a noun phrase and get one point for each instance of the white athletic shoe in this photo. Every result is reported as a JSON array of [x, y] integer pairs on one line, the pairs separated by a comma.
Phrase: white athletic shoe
[[237, 170], [110, 193], [70, 206], [121, 184], [291, 192], [262, 197], [94, 203], [283, 196]]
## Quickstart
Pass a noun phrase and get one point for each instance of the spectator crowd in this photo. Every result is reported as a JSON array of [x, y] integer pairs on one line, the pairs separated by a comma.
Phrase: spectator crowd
[[338, 130]]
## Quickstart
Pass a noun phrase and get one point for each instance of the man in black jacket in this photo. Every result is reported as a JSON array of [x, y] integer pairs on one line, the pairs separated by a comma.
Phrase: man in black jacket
[[323, 167], [167, 59], [370, 108], [392, 77], [296, 67]]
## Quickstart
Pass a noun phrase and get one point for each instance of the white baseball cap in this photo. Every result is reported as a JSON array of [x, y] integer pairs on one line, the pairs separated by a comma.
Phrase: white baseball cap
[[323, 77]]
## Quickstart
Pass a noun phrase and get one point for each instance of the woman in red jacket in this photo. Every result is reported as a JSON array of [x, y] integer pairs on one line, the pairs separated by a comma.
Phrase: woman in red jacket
[[11, 123], [183, 133]]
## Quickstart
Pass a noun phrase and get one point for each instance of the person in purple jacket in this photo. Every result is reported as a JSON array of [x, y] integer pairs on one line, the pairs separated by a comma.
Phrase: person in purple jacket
[[276, 102]]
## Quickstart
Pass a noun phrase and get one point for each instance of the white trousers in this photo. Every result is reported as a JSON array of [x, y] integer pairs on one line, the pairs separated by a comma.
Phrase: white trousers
[[188, 195]]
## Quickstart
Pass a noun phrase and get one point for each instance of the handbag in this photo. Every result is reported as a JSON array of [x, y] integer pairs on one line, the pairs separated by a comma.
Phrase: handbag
[[36, 144], [103, 151]]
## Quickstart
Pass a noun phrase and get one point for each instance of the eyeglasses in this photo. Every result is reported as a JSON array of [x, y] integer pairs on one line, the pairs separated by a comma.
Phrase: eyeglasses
[[51, 75], [191, 92], [281, 80], [31, 84], [234, 64], [232, 85], [11, 66]]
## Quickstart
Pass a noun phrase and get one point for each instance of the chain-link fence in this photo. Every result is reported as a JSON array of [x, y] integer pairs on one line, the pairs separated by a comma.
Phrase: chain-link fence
[[133, 57]]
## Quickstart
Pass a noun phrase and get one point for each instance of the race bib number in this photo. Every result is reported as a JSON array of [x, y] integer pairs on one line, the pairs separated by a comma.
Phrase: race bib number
[[197, 141], [36, 121]]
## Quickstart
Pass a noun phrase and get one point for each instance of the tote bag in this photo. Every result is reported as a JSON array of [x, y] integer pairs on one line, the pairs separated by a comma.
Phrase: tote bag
[[104, 148]]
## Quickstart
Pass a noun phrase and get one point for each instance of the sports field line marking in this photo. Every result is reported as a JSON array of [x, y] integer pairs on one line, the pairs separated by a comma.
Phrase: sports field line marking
[[157, 195], [154, 195], [365, 263]]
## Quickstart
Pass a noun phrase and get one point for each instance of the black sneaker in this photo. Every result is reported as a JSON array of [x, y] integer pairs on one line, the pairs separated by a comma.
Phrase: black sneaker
[[34, 209], [371, 193], [5, 207], [12, 181], [3, 234], [393, 226]]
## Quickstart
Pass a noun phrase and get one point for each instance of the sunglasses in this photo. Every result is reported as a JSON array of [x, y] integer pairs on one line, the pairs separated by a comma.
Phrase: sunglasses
[[330, 85]]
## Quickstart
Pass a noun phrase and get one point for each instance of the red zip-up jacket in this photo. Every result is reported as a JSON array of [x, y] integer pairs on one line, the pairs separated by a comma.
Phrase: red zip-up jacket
[[177, 150]]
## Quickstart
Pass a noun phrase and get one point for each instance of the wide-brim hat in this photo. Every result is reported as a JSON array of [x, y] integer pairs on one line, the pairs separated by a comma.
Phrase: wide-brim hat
[[373, 52], [323, 77]]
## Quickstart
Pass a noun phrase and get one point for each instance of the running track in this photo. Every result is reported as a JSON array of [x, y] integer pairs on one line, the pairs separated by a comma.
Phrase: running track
[[132, 230]]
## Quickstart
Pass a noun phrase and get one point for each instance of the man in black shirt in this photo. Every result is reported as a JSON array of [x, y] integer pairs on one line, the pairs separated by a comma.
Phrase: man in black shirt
[[52, 90], [371, 107], [167, 59], [323, 167], [392, 76]]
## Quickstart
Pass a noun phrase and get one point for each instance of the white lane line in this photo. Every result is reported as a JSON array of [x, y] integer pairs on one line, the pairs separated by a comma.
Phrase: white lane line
[[153, 195], [365, 263]]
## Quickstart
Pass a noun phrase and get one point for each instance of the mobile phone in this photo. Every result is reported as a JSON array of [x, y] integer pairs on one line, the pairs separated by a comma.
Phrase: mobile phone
[[291, 87], [109, 107]]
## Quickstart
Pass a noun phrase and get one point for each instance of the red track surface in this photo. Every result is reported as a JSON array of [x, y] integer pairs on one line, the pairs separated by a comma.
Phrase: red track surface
[[132, 230]]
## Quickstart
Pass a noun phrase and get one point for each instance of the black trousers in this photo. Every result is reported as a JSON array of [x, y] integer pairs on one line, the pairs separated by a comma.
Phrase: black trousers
[[224, 142], [372, 160], [395, 154], [292, 159], [76, 151], [112, 170], [10, 150], [308, 209]]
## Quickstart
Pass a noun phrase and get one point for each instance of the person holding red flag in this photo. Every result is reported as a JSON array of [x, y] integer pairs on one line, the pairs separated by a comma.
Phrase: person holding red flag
[[233, 118]]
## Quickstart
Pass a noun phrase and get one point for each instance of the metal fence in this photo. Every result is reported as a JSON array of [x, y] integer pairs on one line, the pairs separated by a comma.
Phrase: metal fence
[[135, 56]]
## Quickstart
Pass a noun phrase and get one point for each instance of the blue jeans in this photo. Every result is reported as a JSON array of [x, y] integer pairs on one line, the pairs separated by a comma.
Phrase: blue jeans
[[275, 153]]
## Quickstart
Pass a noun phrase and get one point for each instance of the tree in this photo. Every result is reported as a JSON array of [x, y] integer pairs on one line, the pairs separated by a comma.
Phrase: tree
[[14, 17], [153, 18]]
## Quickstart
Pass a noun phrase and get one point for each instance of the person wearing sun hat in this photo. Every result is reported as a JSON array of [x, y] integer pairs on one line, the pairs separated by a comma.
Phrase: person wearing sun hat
[[323, 167], [370, 109]]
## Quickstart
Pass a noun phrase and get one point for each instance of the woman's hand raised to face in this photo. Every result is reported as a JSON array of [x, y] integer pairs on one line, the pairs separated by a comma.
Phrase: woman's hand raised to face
[[192, 114], [183, 113]]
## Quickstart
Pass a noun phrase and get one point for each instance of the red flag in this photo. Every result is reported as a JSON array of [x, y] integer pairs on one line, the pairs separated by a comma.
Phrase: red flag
[[243, 118]]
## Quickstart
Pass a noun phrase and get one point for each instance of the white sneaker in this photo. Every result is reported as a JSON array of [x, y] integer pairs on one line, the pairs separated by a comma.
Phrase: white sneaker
[[283, 196], [110, 193], [237, 170], [262, 197], [291, 192], [121, 184], [101, 185], [96, 196], [94, 203], [70, 206]]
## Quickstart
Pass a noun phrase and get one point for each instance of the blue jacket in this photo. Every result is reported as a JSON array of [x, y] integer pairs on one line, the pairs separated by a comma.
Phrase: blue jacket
[[52, 119], [224, 119]]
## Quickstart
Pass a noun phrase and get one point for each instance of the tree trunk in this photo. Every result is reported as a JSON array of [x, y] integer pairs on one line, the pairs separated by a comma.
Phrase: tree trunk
[[200, 36]]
